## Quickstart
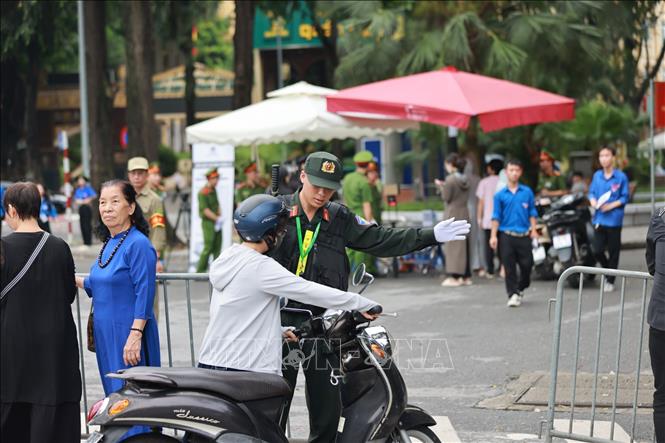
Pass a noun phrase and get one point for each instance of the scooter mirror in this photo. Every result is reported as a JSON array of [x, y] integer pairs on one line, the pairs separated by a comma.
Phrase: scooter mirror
[[358, 275]]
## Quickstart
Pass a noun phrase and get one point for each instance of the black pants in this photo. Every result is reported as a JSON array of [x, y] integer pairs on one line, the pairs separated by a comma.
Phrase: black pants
[[489, 252], [324, 400], [516, 251], [657, 352], [32, 423], [85, 214], [610, 239]]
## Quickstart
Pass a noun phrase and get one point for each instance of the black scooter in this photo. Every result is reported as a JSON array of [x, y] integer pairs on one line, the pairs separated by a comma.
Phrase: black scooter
[[566, 237], [247, 407]]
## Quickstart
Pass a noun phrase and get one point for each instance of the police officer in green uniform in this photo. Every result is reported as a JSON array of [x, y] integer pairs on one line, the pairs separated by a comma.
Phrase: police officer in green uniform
[[314, 247], [551, 183], [253, 184], [358, 198], [211, 220]]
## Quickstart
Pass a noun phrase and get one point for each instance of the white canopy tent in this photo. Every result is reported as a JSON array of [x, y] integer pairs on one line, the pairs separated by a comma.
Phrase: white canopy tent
[[292, 114]]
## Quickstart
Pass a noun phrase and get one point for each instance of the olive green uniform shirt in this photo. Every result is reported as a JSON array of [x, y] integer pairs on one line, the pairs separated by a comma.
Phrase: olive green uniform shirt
[[208, 199], [551, 182], [153, 211], [377, 201], [356, 192], [245, 191]]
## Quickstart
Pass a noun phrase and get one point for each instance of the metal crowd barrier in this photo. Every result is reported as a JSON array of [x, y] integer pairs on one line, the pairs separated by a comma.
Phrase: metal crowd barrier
[[621, 335], [163, 290]]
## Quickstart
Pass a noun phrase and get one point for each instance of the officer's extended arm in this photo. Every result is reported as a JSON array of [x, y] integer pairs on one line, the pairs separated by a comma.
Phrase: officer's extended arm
[[386, 242]]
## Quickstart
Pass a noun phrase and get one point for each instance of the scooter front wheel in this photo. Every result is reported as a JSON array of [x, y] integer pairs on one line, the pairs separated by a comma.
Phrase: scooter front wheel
[[419, 434]]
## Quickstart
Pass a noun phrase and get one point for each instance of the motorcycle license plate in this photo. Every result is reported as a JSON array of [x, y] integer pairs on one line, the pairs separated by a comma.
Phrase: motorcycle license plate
[[95, 437], [562, 241]]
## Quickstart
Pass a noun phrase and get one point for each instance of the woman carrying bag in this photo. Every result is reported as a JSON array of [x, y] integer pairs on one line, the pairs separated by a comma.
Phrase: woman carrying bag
[[41, 382]]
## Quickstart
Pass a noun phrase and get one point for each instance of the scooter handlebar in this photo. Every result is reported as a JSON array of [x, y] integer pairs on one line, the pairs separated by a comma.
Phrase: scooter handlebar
[[376, 310]]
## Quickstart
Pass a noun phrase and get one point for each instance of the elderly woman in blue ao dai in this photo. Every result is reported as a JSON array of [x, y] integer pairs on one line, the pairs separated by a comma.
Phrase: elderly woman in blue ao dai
[[122, 286]]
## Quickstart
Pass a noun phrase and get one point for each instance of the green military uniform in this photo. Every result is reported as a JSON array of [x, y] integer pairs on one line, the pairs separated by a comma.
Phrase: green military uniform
[[377, 201], [357, 192], [245, 191], [333, 228], [212, 240], [555, 182], [252, 186]]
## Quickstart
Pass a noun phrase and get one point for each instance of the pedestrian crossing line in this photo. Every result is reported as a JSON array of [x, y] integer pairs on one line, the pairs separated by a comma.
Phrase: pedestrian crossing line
[[444, 430]]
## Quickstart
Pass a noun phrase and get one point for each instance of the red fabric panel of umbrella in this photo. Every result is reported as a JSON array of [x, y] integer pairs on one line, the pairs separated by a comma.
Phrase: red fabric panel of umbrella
[[449, 97]]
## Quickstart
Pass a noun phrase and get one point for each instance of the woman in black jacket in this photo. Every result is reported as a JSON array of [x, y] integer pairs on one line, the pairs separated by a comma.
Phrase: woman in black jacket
[[39, 368]]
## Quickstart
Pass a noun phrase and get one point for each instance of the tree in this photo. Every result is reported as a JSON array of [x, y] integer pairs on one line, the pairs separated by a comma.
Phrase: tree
[[34, 37], [100, 95], [176, 21], [563, 47], [243, 57], [142, 130]]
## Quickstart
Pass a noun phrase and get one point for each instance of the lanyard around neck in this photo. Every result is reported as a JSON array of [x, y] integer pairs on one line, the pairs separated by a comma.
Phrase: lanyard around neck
[[305, 253]]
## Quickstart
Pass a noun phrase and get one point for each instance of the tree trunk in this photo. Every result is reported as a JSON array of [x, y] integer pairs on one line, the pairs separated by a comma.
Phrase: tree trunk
[[13, 97], [139, 47], [99, 94], [190, 81], [31, 152], [242, 53]]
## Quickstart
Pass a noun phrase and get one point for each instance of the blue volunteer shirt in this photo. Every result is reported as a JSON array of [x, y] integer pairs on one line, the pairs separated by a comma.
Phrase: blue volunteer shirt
[[617, 184], [513, 211], [46, 210], [84, 192]]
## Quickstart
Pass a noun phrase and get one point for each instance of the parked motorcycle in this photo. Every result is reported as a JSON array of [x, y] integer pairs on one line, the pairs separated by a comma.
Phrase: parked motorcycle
[[246, 407], [565, 237]]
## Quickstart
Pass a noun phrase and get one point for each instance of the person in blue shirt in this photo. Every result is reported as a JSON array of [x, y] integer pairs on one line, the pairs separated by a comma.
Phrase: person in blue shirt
[[83, 197], [2, 199], [47, 210], [513, 222], [608, 194]]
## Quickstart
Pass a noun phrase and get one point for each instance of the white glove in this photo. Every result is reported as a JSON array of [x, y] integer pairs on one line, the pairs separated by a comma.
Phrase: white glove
[[449, 230], [219, 223]]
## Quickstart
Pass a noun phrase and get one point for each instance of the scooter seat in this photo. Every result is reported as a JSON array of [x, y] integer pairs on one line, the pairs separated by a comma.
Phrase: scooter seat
[[239, 386]]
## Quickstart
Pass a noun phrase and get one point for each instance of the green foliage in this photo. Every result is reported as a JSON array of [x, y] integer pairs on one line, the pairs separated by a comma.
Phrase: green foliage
[[215, 44], [115, 39], [49, 27], [596, 124], [168, 161]]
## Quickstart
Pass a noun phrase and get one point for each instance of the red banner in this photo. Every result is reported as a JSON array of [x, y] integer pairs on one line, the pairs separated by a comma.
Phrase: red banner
[[659, 105]]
